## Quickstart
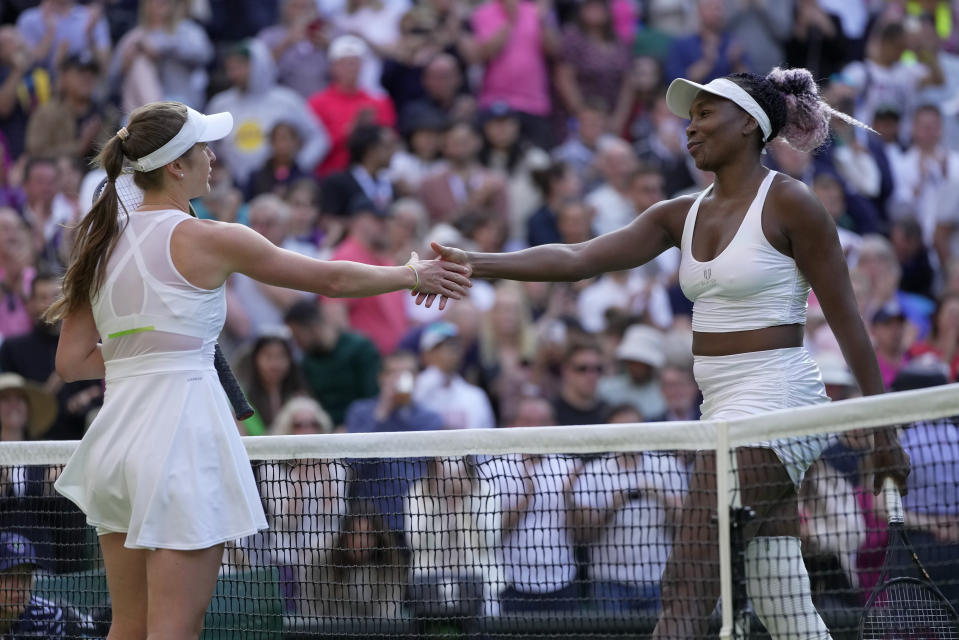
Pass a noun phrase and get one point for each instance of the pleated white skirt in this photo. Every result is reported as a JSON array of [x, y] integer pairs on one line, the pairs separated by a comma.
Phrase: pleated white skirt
[[163, 461]]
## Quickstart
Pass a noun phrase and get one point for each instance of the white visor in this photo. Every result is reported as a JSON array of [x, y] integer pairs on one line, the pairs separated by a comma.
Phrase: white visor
[[682, 92], [197, 128]]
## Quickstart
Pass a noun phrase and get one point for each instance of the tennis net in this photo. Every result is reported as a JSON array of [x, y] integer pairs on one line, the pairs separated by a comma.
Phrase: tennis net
[[556, 532]]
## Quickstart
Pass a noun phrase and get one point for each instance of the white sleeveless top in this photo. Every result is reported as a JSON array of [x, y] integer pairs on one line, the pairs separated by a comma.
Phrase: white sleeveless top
[[144, 304], [163, 460], [749, 285]]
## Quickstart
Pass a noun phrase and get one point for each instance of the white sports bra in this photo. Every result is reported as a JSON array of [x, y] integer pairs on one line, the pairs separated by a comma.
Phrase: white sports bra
[[749, 285]]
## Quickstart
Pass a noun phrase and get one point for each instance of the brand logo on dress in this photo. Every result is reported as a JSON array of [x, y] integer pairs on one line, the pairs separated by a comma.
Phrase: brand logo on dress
[[707, 273]]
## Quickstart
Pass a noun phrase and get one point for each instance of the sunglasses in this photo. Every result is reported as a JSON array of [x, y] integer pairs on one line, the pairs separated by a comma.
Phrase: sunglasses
[[588, 368], [307, 423]]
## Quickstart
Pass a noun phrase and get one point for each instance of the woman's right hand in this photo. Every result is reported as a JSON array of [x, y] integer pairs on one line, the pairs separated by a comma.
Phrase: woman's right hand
[[441, 277]]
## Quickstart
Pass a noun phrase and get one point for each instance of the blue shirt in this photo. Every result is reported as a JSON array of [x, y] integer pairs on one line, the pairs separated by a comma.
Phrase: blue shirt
[[44, 619], [933, 449], [70, 31], [685, 51]]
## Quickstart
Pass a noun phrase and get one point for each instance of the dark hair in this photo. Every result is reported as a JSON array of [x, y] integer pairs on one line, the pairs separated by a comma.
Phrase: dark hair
[[42, 275], [581, 344], [927, 107], [545, 178], [362, 139], [35, 161], [289, 386], [303, 313], [150, 127], [387, 550], [609, 35], [791, 99]]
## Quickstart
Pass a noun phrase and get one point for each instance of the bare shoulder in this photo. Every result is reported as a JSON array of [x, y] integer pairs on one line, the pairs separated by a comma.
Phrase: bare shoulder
[[212, 234], [793, 199], [671, 214]]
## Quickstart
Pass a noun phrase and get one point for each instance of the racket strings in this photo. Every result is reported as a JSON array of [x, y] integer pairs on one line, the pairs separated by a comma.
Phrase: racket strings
[[909, 611]]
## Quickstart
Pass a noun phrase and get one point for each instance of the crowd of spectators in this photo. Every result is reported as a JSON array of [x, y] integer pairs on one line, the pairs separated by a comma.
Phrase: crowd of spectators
[[364, 129]]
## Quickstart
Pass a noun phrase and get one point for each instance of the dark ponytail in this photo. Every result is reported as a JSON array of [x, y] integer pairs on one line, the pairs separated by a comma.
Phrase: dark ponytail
[[151, 126]]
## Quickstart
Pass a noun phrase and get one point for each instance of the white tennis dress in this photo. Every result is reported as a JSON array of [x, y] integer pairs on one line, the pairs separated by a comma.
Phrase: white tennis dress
[[163, 461]]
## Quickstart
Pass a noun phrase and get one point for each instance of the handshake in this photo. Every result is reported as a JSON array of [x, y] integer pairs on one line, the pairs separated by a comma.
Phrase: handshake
[[447, 276]]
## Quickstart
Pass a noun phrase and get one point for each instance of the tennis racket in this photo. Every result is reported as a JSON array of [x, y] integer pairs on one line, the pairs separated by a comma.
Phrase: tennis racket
[[903, 606], [130, 196]]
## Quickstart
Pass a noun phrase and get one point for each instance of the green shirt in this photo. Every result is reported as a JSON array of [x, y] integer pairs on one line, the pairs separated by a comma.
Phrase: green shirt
[[347, 373]]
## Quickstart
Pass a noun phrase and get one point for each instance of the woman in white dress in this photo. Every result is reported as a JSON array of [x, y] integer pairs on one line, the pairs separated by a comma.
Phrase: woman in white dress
[[162, 473]]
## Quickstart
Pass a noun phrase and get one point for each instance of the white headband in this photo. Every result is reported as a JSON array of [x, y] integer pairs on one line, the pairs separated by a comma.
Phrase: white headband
[[197, 128], [682, 92]]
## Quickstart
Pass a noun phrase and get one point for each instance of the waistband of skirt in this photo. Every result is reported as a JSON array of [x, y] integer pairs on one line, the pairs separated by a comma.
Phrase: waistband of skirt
[[153, 363], [767, 355]]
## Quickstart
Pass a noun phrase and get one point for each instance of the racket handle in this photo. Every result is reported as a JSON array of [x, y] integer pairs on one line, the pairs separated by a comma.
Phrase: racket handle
[[890, 493], [234, 392]]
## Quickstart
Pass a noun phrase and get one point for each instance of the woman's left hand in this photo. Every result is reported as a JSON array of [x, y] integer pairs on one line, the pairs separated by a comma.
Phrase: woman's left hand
[[448, 280]]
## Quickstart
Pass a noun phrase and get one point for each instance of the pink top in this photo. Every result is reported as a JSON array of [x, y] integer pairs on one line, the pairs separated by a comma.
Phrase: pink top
[[518, 74], [15, 320], [380, 318]]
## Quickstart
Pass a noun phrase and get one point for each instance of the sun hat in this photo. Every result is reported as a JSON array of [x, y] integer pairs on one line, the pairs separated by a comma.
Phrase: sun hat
[[642, 343], [42, 404]]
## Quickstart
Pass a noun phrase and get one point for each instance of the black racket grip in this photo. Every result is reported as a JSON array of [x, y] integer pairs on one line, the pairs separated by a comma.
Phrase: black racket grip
[[241, 407]]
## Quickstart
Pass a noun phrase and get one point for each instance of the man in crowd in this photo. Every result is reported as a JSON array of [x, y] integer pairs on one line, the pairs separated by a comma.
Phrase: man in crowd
[[578, 401]]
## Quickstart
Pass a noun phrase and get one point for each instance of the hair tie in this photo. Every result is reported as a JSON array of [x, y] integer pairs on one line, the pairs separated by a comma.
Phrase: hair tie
[[123, 134]]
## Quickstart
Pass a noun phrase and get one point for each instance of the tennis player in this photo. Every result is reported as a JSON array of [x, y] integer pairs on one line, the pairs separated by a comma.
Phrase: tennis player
[[752, 245], [162, 473]]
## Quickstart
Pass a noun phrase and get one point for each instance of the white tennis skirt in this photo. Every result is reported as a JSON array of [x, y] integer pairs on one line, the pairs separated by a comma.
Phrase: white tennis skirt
[[163, 461], [745, 384]]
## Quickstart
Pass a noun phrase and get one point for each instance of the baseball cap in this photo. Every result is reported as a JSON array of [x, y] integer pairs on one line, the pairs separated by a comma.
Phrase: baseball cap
[[436, 334], [888, 312], [346, 46], [361, 203], [15, 551], [921, 373]]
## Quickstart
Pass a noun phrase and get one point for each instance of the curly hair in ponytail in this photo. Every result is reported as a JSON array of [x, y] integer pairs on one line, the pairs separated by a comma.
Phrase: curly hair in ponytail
[[150, 127], [790, 97]]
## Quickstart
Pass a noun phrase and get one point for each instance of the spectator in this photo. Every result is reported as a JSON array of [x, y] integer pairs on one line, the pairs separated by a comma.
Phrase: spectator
[[817, 41], [888, 336], [913, 256], [21, 89], [301, 416], [640, 354], [464, 185], [574, 221], [506, 152], [368, 568], [442, 389], [280, 169], [932, 506], [26, 614], [665, 148], [883, 78], [882, 273], [303, 198], [593, 61], [271, 380], [422, 130], [680, 394], [444, 92], [371, 150], [514, 42], [616, 162], [32, 356], [762, 28], [632, 292], [163, 58], [298, 44], [344, 104], [578, 401], [923, 171], [60, 28], [407, 228], [453, 527], [943, 339], [338, 366], [394, 408], [579, 149], [628, 504], [377, 24], [73, 122], [261, 306], [381, 318], [557, 183], [405, 58], [710, 53], [828, 188], [257, 104], [837, 377], [632, 111], [507, 344], [16, 275], [947, 94], [538, 529], [532, 411]]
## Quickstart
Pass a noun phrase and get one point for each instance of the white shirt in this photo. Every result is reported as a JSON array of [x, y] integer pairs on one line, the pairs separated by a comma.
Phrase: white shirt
[[922, 184], [538, 552], [633, 547], [631, 295], [461, 404], [613, 210]]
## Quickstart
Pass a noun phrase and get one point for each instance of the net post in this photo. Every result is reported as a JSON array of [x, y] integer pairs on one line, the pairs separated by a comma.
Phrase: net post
[[722, 518]]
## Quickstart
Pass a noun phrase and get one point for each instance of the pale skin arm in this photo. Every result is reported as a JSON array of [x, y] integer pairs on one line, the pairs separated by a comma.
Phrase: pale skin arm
[[78, 351]]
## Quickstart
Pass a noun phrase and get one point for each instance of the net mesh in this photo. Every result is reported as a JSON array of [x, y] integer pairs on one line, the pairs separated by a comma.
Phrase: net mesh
[[595, 531]]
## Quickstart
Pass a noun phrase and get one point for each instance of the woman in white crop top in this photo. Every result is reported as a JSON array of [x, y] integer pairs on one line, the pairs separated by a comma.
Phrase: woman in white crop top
[[161, 472], [752, 245]]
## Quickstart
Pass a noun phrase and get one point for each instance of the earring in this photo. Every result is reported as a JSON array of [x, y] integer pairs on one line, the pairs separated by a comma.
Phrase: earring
[[181, 175]]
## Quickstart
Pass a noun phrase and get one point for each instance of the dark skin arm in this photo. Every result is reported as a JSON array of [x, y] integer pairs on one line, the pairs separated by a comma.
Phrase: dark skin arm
[[808, 233]]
